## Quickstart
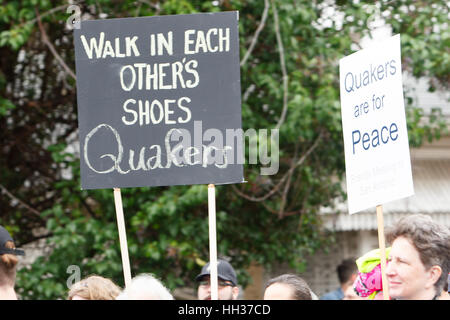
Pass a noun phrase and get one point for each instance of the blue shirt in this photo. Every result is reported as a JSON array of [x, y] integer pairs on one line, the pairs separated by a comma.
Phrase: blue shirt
[[337, 294]]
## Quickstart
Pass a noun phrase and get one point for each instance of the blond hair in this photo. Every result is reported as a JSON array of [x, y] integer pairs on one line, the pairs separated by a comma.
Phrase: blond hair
[[94, 288], [145, 287]]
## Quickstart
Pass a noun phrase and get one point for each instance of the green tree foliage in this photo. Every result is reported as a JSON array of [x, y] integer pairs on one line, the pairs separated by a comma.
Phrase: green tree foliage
[[289, 71]]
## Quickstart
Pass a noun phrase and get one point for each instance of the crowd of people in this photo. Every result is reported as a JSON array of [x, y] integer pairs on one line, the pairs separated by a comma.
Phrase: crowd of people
[[418, 268]]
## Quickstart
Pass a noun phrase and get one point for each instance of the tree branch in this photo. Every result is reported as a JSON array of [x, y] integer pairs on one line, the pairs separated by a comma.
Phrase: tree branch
[[259, 199], [289, 172], [23, 204], [20, 244], [51, 47], [311, 149], [155, 6], [46, 13], [288, 184], [257, 32], [283, 66], [248, 91], [286, 214]]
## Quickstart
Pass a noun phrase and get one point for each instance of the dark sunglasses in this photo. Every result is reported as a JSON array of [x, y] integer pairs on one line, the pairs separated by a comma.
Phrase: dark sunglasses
[[220, 283]]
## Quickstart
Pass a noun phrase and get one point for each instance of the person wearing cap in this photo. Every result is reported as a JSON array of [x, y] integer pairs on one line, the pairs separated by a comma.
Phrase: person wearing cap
[[227, 282], [8, 263]]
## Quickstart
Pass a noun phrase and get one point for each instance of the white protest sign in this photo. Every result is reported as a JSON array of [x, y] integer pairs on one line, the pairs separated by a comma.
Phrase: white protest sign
[[377, 159]]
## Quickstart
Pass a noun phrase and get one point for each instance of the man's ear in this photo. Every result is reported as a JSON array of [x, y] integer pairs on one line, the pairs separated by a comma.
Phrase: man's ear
[[235, 292], [435, 273]]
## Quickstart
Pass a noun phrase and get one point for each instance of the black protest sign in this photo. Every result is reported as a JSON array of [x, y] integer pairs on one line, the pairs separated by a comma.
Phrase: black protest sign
[[159, 101]]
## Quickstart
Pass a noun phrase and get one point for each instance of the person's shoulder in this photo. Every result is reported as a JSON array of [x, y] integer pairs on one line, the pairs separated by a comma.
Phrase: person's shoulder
[[333, 295]]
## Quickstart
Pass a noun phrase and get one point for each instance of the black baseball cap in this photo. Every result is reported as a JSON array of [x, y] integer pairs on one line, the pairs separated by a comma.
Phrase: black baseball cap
[[224, 271], [5, 237]]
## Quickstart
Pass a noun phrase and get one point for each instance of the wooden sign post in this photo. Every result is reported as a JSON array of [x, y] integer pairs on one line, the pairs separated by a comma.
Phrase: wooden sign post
[[212, 241], [122, 236], [382, 246], [377, 159]]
